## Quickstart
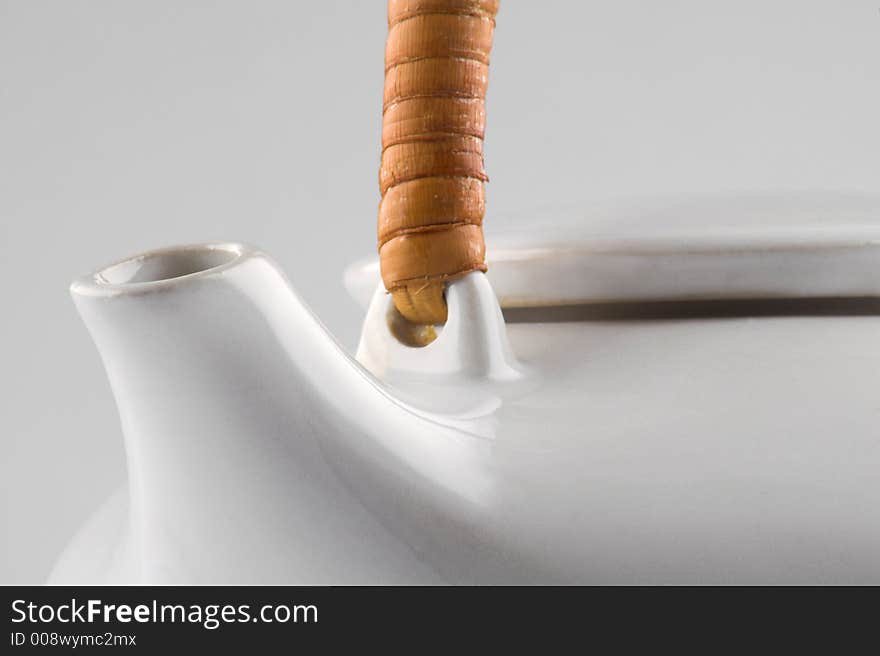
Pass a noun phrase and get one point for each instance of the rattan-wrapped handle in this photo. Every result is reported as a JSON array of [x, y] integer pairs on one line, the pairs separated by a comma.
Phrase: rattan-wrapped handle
[[431, 176]]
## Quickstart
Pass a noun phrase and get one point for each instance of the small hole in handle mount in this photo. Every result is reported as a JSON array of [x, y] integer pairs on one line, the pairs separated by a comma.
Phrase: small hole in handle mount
[[408, 333]]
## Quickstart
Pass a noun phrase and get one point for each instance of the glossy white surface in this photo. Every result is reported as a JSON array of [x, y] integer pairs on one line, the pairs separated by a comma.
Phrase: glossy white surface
[[759, 245], [110, 145], [702, 450]]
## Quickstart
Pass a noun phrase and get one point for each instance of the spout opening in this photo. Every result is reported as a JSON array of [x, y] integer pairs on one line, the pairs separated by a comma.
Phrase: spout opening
[[165, 265], [159, 268]]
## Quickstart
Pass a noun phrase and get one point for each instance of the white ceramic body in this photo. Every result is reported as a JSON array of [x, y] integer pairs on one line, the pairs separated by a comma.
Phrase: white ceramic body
[[742, 449]]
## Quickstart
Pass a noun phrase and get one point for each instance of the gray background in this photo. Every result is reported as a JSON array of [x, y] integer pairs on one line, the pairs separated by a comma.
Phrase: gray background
[[129, 125]]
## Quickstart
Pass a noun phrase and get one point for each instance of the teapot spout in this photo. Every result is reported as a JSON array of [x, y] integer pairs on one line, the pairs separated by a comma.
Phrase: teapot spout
[[238, 411]]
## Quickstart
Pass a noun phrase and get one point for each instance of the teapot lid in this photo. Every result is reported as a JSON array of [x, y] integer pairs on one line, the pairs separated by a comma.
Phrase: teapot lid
[[700, 247]]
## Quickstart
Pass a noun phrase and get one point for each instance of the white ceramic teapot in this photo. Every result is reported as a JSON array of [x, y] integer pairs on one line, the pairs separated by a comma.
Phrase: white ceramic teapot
[[679, 391]]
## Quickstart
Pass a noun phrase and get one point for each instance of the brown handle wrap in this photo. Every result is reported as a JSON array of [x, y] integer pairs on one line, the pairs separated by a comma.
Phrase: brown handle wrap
[[431, 176]]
